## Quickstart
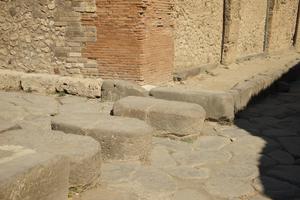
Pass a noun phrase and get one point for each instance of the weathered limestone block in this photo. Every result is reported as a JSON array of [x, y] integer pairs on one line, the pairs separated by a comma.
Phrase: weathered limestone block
[[10, 80], [120, 138], [218, 105], [79, 86], [282, 16], [171, 117], [40, 83], [197, 33], [84, 153], [27, 174], [113, 90]]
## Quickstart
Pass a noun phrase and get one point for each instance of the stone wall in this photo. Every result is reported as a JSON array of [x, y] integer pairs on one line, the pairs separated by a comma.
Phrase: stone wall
[[44, 36], [198, 32], [252, 28], [282, 23]]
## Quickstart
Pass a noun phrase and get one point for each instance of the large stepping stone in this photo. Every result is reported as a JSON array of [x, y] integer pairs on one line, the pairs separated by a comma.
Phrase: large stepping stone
[[170, 117], [27, 174], [218, 105], [120, 138], [84, 153]]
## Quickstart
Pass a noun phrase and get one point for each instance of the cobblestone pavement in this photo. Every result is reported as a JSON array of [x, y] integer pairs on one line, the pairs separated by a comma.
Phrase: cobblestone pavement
[[257, 158]]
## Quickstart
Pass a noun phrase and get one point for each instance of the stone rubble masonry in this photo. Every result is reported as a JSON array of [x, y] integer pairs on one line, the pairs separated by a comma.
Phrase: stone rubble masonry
[[197, 33], [50, 84], [46, 36], [281, 24], [169, 117]]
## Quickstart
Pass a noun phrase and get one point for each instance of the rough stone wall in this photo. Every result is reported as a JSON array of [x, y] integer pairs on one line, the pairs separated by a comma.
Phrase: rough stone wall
[[45, 36], [252, 27], [282, 23], [134, 40], [198, 32]]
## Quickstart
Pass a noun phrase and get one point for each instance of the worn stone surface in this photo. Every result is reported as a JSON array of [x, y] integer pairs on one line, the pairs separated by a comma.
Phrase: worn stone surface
[[289, 173], [120, 138], [10, 80], [218, 105], [291, 144], [27, 174], [7, 125], [113, 90], [40, 83], [171, 117], [84, 153]]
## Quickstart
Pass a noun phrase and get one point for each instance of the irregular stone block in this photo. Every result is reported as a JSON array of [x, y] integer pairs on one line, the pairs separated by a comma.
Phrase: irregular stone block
[[120, 138], [113, 90], [218, 105], [84, 153], [40, 83], [173, 117], [26, 174], [10, 80], [80, 86]]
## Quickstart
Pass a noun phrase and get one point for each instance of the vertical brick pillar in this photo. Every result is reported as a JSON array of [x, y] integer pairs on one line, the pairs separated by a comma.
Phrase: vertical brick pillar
[[134, 40], [231, 31]]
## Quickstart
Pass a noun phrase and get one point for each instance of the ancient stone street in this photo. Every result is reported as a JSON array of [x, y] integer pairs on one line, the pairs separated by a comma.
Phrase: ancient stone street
[[256, 158]]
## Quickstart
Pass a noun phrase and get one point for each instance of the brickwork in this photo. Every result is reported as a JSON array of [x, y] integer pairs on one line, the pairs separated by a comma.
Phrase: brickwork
[[134, 40]]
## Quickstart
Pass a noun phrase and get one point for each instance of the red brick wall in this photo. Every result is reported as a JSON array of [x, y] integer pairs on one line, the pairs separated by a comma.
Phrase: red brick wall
[[134, 40]]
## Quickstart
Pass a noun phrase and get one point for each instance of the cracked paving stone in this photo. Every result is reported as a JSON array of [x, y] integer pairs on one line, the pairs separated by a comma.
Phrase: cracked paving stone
[[108, 194], [6, 126], [199, 158], [226, 187], [210, 143], [161, 158], [291, 144], [189, 173], [282, 157], [289, 173], [190, 194], [275, 188]]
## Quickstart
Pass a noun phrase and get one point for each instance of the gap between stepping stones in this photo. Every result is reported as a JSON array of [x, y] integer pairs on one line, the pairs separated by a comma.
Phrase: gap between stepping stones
[[170, 117], [120, 138]]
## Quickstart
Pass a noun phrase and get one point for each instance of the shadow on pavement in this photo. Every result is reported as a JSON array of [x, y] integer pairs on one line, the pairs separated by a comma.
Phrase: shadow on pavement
[[274, 116]]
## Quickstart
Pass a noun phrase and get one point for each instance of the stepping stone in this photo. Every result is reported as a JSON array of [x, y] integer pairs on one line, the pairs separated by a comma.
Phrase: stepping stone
[[169, 117], [218, 105], [84, 153], [113, 90], [120, 138], [28, 174], [291, 144], [6, 126], [289, 173]]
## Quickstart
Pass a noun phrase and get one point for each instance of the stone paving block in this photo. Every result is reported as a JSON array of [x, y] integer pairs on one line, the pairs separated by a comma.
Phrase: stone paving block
[[6, 126], [291, 144], [113, 90], [84, 153], [289, 173], [120, 138], [171, 117], [27, 174], [218, 105]]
